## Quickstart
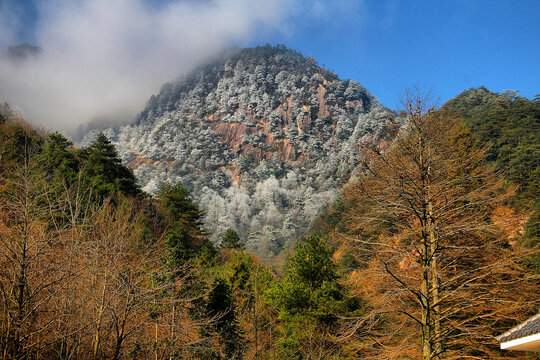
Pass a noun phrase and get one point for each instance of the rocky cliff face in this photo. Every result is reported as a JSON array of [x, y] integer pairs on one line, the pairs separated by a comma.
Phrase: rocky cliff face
[[263, 137]]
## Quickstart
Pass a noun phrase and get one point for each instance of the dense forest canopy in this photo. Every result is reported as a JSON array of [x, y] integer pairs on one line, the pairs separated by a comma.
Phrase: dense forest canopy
[[510, 125]]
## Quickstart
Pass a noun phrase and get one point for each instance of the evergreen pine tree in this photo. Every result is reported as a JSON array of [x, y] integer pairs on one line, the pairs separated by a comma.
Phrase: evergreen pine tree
[[220, 303], [223, 331], [185, 237], [58, 159], [179, 247], [180, 206], [231, 240], [309, 300], [104, 172]]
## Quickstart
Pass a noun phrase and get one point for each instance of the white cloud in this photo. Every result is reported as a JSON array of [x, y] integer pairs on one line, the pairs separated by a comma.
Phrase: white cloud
[[102, 59]]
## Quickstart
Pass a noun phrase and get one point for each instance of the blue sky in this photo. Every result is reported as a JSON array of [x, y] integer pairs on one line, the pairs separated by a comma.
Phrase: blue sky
[[447, 46], [386, 45]]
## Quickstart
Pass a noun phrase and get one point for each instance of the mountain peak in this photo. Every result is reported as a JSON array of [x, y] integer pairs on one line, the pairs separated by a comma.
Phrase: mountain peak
[[263, 137], [20, 52]]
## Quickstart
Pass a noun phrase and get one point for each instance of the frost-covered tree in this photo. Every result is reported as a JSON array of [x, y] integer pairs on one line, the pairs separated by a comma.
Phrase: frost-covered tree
[[257, 136]]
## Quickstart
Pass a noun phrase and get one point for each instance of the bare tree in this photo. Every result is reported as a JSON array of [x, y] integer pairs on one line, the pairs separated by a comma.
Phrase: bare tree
[[432, 257], [78, 280], [116, 286], [34, 259], [133, 302]]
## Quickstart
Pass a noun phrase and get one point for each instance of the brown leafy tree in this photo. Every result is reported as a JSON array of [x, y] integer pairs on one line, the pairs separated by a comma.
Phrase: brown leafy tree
[[35, 260], [83, 279], [443, 280]]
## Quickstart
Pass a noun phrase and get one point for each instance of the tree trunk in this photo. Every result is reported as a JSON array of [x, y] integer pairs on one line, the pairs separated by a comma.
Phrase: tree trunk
[[172, 329], [436, 336], [426, 306], [97, 337], [121, 331]]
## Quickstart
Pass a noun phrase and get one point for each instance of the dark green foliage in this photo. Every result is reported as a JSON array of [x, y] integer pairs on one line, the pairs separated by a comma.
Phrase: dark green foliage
[[17, 142], [219, 306], [249, 282], [103, 171], [471, 101], [312, 263], [311, 285], [231, 240], [247, 279], [179, 246], [532, 237], [95, 172], [310, 299], [179, 204], [220, 302], [59, 160], [241, 273], [207, 253], [185, 238], [98, 166], [510, 125]]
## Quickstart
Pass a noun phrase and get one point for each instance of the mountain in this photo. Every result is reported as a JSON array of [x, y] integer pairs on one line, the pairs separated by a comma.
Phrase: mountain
[[509, 125], [20, 52], [263, 138]]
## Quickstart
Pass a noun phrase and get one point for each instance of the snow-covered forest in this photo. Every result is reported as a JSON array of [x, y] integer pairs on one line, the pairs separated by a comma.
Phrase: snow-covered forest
[[262, 137]]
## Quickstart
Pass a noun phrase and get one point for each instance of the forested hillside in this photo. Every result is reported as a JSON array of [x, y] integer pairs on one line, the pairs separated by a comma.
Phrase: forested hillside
[[509, 125], [262, 137], [425, 255], [94, 268], [437, 230]]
